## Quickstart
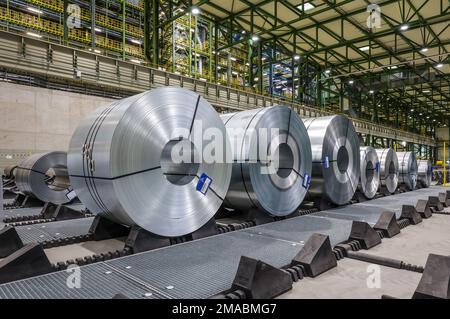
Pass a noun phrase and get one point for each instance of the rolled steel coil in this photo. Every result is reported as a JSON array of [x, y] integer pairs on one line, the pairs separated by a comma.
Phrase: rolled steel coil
[[370, 172], [335, 155], [408, 169], [280, 191], [389, 169], [425, 173], [45, 177], [8, 172], [122, 164]]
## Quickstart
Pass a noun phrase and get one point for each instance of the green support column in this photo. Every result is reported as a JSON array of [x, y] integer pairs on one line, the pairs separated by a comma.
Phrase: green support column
[[216, 50], [260, 68], [124, 35], [155, 29], [66, 28], [210, 49], [147, 30], [93, 25]]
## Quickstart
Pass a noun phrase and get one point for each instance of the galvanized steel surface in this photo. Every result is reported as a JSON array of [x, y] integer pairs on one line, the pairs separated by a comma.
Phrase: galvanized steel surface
[[370, 172], [120, 162], [36, 176], [425, 172], [389, 169], [407, 162], [335, 155], [281, 191]]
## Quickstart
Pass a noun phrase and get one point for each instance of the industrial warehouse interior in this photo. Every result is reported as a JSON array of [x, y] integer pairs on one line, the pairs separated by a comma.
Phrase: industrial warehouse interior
[[225, 151]]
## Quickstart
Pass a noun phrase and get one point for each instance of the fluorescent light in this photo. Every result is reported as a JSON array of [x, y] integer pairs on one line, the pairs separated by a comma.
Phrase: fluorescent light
[[235, 73], [256, 79], [424, 50], [34, 34], [136, 41], [440, 65], [412, 110], [98, 30], [35, 10], [404, 27], [327, 71], [233, 59], [351, 82], [426, 91], [393, 67], [307, 6], [202, 79], [366, 48], [255, 38], [243, 32], [195, 11], [296, 57], [371, 91], [135, 61]]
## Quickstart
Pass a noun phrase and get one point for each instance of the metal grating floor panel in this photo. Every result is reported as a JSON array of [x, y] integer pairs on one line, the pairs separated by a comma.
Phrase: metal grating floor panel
[[32, 211], [205, 267], [356, 212], [299, 229], [396, 202], [98, 281], [47, 231], [22, 212], [30, 234], [67, 228]]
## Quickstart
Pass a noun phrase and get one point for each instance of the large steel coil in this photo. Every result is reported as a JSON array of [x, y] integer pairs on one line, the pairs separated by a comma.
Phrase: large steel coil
[[407, 162], [275, 185], [45, 177], [335, 155], [425, 173], [370, 172], [139, 161], [389, 171]]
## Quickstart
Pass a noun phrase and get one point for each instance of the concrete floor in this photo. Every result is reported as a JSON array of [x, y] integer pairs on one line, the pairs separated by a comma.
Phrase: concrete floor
[[85, 249], [349, 279]]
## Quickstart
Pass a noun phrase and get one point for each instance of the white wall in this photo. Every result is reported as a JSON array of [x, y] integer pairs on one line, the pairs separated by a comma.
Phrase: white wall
[[35, 119]]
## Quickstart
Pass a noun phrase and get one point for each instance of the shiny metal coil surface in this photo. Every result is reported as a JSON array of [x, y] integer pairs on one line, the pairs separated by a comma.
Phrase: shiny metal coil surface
[[121, 162], [425, 172], [278, 192], [370, 172], [336, 159], [408, 169], [389, 169], [45, 177]]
